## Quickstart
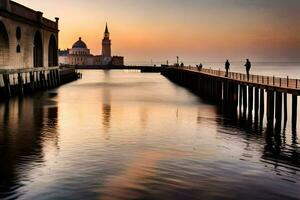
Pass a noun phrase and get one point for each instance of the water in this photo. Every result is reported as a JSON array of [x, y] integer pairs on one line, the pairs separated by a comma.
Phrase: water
[[127, 135]]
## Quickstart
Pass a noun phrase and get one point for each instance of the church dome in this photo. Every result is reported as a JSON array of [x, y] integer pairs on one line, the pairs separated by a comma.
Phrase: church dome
[[79, 44]]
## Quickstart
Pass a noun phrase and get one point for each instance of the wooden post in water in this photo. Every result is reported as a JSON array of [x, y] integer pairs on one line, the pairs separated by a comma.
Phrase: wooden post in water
[[256, 97], [240, 99], [49, 80], [245, 103], [270, 109], [6, 85], [285, 109], [236, 98], [225, 92], [43, 79], [262, 105], [31, 77], [46, 79], [54, 81], [58, 76], [20, 84], [294, 112], [278, 114], [250, 101], [219, 92]]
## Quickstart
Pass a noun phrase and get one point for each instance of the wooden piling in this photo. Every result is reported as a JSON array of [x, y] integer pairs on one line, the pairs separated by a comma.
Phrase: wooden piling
[[250, 101], [285, 109], [31, 79], [234, 94], [262, 105], [20, 84], [270, 109], [245, 103], [7, 88], [294, 112], [256, 110], [236, 97], [278, 114], [225, 92], [240, 99]]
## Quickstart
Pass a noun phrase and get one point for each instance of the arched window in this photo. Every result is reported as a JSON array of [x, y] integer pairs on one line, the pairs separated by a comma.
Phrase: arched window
[[4, 46], [18, 33], [52, 52], [38, 56]]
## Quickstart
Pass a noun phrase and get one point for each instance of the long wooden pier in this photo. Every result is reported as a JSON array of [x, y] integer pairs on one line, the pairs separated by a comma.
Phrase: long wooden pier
[[242, 95]]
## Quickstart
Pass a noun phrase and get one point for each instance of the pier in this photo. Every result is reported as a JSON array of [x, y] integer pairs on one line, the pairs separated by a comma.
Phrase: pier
[[240, 96], [26, 81]]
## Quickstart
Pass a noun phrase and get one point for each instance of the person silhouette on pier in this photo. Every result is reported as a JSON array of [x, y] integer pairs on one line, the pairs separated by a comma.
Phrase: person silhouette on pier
[[200, 67], [227, 67], [248, 67]]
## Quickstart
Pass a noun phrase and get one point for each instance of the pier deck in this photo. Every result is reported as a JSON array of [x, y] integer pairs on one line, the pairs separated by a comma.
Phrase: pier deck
[[28, 80], [280, 84]]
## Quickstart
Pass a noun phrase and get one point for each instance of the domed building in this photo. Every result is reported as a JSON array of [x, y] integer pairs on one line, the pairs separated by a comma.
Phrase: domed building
[[79, 47], [80, 55]]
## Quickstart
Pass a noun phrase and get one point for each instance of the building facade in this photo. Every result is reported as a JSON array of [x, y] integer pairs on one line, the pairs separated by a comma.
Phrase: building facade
[[80, 55], [27, 39]]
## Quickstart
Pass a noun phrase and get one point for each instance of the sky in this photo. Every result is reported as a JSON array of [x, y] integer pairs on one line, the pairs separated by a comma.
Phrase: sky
[[194, 30]]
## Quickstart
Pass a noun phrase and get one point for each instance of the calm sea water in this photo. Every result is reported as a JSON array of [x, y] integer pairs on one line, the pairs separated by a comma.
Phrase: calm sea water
[[127, 135]]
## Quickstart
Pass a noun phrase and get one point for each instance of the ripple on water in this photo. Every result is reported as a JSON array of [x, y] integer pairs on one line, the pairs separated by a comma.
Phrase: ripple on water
[[123, 135]]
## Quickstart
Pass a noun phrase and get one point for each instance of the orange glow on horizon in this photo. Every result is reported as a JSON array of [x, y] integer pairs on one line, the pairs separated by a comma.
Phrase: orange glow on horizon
[[196, 29]]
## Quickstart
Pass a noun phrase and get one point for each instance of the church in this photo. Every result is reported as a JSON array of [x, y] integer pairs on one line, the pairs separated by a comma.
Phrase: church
[[80, 55]]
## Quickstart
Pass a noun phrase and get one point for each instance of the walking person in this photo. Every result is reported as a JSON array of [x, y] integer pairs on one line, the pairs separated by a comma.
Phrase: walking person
[[248, 67], [200, 67], [227, 67]]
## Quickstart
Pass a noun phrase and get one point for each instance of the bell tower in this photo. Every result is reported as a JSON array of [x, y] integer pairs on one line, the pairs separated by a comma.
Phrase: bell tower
[[106, 44]]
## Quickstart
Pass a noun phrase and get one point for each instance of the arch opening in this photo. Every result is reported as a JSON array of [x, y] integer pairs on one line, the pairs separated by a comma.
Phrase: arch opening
[[38, 50], [18, 50], [4, 46], [52, 52]]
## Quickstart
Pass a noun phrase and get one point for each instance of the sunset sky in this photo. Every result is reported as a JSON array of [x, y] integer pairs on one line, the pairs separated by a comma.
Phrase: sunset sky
[[209, 30]]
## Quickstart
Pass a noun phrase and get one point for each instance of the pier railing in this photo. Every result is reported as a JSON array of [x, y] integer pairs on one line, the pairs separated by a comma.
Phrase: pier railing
[[26, 70], [279, 82]]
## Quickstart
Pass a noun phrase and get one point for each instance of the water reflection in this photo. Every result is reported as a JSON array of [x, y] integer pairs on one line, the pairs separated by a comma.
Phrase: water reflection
[[144, 167], [124, 135], [106, 108], [144, 117], [106, 105], [26, 128], [277, 149]]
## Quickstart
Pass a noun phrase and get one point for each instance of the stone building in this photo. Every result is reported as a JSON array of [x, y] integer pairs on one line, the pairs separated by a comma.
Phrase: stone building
[[80, 55], [27, 39], [117, 61]]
